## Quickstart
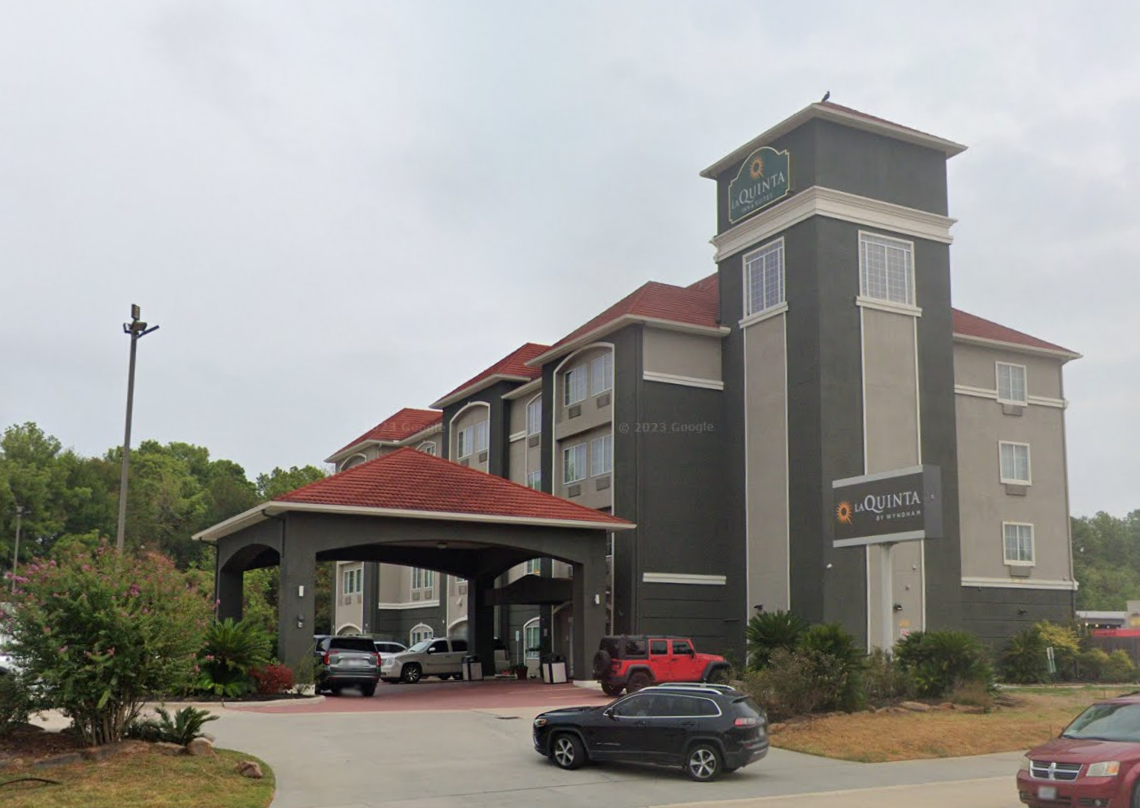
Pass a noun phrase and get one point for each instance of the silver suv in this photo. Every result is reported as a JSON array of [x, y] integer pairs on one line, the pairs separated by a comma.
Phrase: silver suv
[[438, 657]]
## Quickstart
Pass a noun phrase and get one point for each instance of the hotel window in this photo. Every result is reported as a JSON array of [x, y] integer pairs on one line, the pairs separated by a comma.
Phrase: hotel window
[[534, 566], [534, 480], [532, 639], [534, 417], [1014, 463], [575, 385], [574, 463], [421, 633], [1011, 383], [602, 373], [1018, 541], [764, 278], [463, 442], [886, 269], [353, 581], [422, 579], [602, 455], [427, 447], [480, 436]]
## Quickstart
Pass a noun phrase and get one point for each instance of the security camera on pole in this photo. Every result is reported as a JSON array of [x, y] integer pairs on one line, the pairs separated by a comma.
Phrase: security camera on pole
[[137, 329]]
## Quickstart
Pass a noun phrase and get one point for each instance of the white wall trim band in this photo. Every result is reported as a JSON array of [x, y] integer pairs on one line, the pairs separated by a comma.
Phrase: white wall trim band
[[817, 201], [419, 604], [683, 578], [878, 475], [886, 305], [1036, 401], [1020, 583], [684, 381], [518, 436], [761, 316], [884, 538]]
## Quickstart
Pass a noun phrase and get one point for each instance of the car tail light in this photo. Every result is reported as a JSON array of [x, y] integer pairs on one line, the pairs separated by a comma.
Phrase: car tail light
[[746, 722], [327, 657], [376, 661]]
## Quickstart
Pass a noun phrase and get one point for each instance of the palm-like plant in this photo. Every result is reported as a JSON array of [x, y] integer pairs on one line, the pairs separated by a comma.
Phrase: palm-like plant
[[231, 651], [768, 631]]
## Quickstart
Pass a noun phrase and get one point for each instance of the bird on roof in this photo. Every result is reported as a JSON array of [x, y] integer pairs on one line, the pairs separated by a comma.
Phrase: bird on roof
[[826, 96]]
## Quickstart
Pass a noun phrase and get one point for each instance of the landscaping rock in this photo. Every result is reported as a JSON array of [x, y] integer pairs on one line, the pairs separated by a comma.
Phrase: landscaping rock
[[171, 749], [970, 709], [200, 747], [946, 705], [101, 752], [250, 769], [915, 706]]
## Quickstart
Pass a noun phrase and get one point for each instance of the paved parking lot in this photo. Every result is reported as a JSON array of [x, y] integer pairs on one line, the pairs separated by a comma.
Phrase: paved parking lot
[[404, 749]]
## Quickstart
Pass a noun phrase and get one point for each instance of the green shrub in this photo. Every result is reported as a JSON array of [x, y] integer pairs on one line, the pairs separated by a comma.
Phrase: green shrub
[[231, 652], [884, 680], [975, 694], [797, 683], [15, 703], [1023, 660], [833, 641], [1066, 645], [103, 632], [181, 728], [939, 661], [768, 631], [1091, 664], [1119, 668]]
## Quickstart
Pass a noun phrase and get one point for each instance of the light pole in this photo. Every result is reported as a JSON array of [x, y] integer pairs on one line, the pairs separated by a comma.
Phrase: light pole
[[137, 329], [16, 552]]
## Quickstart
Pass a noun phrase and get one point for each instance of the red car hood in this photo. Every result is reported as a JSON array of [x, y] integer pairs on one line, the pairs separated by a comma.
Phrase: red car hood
[[1073, 750]]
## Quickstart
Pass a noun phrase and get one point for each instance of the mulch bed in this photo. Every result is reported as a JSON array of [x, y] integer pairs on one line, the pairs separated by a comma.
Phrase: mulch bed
[[33, 743], [249, 697]]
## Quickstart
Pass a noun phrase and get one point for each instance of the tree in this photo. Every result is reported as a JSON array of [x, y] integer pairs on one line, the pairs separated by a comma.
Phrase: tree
[[1106, 560], [279, 481]]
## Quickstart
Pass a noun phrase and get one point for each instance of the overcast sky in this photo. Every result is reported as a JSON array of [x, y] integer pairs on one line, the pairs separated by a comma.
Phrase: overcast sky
[[336, 209]]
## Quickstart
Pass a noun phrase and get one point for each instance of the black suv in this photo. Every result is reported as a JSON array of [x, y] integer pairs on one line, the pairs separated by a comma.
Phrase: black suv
[[347, 662], [705, 729]]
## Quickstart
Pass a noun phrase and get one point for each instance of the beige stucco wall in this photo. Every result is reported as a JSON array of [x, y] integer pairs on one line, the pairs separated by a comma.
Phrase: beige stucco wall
[[679, 354], [595, 409], [890, 391], [351, 612], [976, 366], [767, 463], [595, 491], [472, 415]]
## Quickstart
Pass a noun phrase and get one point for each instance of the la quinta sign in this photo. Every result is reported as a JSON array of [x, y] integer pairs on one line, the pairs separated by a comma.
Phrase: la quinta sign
[[763, 178], [888, 507]]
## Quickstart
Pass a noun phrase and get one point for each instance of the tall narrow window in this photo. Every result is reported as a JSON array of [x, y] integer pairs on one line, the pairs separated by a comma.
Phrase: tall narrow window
[[534, 417], [480, 437], [601, 455], [422, 579], [1014, 463], [886, 269], [575, 385], [463, 442], [574, 463], [534, 480], [764, 278], [601, 373], [532, 639], [1018, 541], [1011, 383], [534, 566]]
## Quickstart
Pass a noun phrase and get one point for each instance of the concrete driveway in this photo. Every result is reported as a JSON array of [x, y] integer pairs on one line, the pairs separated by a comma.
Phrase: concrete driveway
[[364, 755]]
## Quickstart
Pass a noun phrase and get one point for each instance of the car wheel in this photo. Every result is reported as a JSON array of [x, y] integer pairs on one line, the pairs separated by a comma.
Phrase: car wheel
[[411, 673], [637, 681], [703, 762], [718, 676], [567, 751], [368, 691], [443, 677], [335, 690], [611, 689]]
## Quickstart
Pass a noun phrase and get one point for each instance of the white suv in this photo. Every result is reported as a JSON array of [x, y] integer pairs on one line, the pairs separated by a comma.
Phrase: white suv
[[438, 657]]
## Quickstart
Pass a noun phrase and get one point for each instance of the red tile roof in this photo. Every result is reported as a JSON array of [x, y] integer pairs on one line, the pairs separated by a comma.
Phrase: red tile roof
[[408, 480], [970, 325], [709, 284], [658, 301], [512, 365], [404, 424]]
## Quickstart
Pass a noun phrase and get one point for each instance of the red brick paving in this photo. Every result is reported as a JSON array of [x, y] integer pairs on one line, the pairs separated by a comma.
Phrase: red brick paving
[[435, 695]]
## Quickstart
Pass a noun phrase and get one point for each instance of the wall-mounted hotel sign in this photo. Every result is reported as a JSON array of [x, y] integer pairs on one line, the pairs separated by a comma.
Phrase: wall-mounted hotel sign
[[888, 507], [764, 178]]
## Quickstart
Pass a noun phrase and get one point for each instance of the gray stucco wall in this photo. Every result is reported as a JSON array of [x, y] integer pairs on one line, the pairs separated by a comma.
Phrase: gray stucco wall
[[994, 614]]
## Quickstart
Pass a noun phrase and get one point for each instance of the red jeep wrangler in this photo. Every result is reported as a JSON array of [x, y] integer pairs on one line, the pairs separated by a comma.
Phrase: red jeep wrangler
[[631, 662]]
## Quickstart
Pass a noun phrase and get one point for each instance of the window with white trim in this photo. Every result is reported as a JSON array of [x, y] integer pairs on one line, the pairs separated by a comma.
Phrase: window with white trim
[[886, 269], [534, 566], [532, 638], [574, 463], [601, 455], [422, 579], [1011, 383], [463, 442], [420, 633], [427, 447], [601, 373], [353, 581], [534, 480], [1014, 463], [1018, 541], [479, 438], [764, 278], [534, 416], [574, 384]]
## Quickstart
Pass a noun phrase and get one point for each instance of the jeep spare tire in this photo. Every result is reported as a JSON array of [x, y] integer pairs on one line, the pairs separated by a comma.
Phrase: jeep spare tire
[[602, 661]]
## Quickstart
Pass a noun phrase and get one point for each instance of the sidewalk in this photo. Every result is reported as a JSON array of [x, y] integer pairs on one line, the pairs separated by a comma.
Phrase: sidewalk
[[991, 792]]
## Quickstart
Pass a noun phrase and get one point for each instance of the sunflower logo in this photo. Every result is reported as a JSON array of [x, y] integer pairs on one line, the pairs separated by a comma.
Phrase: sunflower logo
[[756, 168], [843, 512]]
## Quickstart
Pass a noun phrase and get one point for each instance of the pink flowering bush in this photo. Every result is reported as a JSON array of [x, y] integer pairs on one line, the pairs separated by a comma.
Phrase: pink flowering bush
[[102, 632]]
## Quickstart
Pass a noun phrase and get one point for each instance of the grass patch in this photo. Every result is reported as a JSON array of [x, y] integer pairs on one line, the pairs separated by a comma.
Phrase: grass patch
[[1023, 718], [142, 776]]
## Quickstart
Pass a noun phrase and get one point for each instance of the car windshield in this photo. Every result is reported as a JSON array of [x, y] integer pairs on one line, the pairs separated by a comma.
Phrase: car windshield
[[1107, 722], [419, 647]]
